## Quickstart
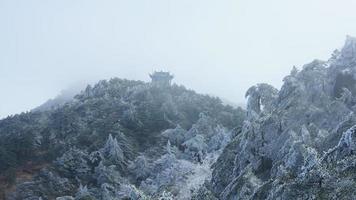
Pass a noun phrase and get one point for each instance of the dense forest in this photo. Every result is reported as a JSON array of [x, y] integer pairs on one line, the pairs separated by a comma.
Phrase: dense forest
[[122, 139], [126, 117]]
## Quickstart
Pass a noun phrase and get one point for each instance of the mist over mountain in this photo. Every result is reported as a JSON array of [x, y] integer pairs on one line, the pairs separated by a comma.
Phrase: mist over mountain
[[213, 47], [65, 96], [125, 139], [116, 139]]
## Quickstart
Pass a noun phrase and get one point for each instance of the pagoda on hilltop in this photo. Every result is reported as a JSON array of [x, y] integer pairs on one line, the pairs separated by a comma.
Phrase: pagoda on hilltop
[[161, 78]]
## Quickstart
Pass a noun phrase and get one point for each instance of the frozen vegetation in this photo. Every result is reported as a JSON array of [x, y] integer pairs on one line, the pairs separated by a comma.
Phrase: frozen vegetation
[[298, 142], [118, 139], [123, 139]]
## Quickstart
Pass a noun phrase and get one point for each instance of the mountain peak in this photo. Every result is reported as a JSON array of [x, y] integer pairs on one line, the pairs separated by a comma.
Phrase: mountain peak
[[349, 49]]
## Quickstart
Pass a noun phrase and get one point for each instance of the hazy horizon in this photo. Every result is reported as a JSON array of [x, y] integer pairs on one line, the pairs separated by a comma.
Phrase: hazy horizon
[[213, 47]]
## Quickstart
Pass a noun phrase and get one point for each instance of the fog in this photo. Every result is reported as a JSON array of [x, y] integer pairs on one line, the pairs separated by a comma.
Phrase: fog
[[214, 47]]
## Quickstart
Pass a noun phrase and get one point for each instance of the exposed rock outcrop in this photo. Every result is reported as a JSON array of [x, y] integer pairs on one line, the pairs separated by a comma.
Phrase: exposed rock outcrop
[[301, 145]]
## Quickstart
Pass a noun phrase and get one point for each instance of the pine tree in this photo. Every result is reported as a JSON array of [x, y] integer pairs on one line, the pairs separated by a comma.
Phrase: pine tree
[[113, 152]]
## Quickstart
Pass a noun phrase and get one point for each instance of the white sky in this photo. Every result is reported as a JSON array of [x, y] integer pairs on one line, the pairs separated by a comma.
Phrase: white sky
[[219, 47]]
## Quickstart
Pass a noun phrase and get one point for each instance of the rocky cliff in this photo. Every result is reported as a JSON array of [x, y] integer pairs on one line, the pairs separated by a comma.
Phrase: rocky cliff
[[297, 142]]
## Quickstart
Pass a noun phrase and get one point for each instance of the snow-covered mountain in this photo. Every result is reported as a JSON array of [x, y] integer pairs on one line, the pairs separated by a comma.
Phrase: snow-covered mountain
[[122, 139], [298, 142], [118, 139]]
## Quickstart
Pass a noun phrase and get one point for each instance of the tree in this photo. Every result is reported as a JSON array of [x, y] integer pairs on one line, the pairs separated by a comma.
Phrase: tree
[[113, 152], [7, 159]]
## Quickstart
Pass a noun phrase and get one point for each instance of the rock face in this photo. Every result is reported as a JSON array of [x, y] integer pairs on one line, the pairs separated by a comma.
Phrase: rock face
[[298, 142]]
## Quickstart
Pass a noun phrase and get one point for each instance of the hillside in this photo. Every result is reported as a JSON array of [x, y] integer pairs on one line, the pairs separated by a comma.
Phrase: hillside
[[122, 139], [117, 139], [297, 142]]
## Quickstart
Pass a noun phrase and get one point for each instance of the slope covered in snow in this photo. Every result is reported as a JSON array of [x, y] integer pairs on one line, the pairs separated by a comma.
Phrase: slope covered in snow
[[297, 142], [117, 139]]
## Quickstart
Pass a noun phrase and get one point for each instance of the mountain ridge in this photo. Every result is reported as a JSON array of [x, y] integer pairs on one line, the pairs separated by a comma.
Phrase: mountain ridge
[[296, 142]]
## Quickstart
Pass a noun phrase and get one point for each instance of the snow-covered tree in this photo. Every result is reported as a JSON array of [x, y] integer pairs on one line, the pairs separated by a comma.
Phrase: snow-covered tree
[[260, 98], [140, 168], [113, 152], [104, 174], [83, 193]]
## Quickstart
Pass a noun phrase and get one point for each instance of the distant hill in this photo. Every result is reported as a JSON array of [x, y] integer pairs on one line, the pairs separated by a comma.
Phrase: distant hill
[[64, 97]]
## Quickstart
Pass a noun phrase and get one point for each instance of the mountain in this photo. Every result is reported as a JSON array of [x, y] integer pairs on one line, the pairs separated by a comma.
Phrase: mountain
[[298, 142], [118, 139], [122, 139]]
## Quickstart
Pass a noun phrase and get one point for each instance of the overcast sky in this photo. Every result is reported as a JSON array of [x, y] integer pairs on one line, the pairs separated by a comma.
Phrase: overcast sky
[[218, 47]]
